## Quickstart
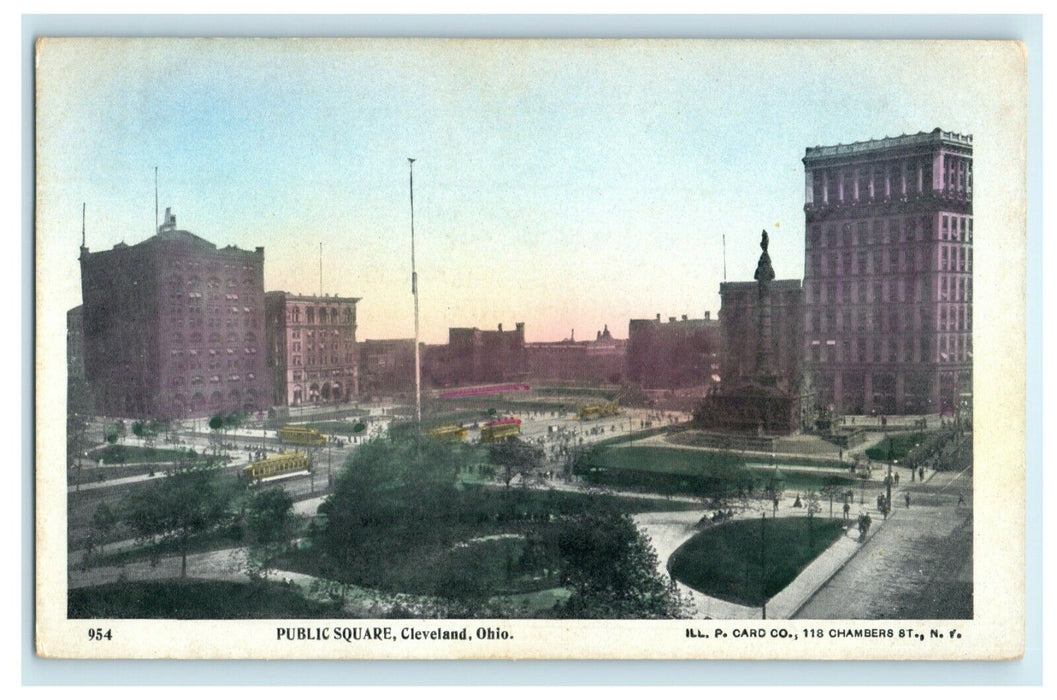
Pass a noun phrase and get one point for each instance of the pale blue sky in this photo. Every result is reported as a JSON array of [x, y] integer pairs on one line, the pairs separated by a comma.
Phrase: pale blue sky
[[564, 184]]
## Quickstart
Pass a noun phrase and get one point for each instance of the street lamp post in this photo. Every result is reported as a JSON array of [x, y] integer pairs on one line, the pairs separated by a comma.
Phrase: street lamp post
[[763, 561]]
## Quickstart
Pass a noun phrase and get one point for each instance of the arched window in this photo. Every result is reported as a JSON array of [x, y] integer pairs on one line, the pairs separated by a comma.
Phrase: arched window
[[297, 314], [334, 316], [322, 315], [310, 315]]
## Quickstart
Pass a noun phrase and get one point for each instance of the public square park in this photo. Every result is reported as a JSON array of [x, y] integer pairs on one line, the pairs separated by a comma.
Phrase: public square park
[[636, 514]]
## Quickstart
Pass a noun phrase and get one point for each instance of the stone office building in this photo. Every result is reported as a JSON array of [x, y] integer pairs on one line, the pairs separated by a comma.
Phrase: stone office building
[[312, 353], [679, 354], [173, 327], [888, 273], [738, 314]]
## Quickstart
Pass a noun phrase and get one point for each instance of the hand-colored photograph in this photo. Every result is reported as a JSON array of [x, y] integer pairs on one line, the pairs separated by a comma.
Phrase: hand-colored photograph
[[467, 338]]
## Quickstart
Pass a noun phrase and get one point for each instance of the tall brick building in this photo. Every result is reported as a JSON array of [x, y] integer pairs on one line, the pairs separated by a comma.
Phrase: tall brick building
[[678, 354], [174, 327], [888, 273], [478, 356], [738, 313], [312, 353]]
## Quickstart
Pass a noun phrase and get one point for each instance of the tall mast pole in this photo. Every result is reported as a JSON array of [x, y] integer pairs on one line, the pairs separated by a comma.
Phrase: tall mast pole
[[414, 293], [321, 268], [155, 199], [724, 257]]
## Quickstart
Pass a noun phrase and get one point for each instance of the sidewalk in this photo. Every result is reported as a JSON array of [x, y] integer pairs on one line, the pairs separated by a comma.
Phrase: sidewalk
[[914, 559], [668, 531]]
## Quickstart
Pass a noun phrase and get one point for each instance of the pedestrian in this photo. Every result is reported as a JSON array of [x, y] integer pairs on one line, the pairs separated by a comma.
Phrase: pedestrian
[[921, 473], [847, 509], [961, 499], [897, 478], [906, 495]]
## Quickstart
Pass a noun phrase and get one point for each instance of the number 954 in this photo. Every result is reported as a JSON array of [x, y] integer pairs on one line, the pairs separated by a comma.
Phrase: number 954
[[98, 634]]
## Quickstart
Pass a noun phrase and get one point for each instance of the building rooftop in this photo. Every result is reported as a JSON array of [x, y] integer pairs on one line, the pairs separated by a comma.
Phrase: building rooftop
[[937, 135], [326, 298]]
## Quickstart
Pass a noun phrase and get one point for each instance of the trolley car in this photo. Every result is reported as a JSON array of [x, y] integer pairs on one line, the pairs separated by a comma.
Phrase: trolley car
[[302, 435], [277, 465], [501, 429], [449, 433], [599, 409]]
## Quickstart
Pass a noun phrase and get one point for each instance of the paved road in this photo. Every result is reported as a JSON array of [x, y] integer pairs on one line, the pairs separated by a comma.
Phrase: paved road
[[918, 565]]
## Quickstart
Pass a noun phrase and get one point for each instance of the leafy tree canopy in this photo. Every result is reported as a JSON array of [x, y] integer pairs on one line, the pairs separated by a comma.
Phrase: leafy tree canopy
[[191, 498], [613, 571]]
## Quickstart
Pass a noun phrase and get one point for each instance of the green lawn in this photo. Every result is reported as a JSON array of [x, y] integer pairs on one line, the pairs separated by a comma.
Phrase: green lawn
[[192, 600], [122, 454], [901, 444], [671, 470], [665, 460], [725, 561]]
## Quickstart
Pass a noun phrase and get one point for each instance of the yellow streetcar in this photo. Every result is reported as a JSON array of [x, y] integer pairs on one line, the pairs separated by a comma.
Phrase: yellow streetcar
[[277, 465], [301, 435], [449, 433], [499, 430], [598, 409]]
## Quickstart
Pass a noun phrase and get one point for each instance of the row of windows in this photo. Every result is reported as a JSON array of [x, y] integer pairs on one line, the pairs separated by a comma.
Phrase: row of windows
[[956, 228], [310, 359], [214, 379], [211, 266], [955, 348], [293, 315], [193, 322], [875, 232], [214, 363], [950, 318], [880, 181], [903, 289], [868, 183], [250, 338], [952, 258], [177, 312]]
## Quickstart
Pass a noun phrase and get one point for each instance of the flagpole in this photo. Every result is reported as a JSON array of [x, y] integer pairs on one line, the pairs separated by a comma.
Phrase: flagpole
[[414, 293]]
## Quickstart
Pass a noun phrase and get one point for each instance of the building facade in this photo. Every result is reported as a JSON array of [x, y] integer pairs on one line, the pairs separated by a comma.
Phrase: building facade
[[888, 273], [678, 354], [312, 353], [74, 345], [479, 356], [387, 367], [173, 327], [578, 362], [738, 313]]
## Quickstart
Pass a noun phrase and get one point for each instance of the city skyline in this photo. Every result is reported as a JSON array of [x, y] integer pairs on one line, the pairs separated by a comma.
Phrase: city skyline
[[551, 188]]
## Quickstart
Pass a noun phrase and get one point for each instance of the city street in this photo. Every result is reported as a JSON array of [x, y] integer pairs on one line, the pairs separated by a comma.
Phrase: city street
[[917, 565]]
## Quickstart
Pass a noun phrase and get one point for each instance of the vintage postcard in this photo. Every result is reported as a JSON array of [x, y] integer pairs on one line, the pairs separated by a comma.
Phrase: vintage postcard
[[508, 349]]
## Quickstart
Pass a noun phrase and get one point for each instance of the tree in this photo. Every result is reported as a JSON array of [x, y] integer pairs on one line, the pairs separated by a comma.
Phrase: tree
[[392, 493], [192, 498], [268, 517], [832, 488], [612, 570], [813, 506], [515, 457], [104, 520], [269, 513]]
